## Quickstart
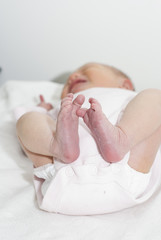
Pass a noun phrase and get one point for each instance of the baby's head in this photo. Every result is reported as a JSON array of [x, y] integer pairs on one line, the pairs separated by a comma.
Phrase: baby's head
[[93, 75]]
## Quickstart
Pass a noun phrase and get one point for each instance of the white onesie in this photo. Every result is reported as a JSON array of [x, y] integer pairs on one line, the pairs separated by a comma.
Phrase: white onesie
[[91, 185]]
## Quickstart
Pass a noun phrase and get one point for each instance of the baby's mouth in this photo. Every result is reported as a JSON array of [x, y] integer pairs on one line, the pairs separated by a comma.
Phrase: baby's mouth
[[78, 81]]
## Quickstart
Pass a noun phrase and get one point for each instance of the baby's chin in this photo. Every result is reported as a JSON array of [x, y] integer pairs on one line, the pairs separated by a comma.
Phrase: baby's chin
[[78, 89], [74, 90]]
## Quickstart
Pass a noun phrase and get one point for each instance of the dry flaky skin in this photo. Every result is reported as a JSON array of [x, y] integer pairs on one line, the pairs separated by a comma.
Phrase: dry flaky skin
[[65, 144], [112, 142]]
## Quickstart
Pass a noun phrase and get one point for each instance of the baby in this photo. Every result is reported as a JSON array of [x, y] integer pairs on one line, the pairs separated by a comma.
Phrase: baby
[[124, 147]]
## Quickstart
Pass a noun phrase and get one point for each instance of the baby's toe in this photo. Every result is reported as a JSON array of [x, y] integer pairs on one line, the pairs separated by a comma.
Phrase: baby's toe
[[81, 112], [68, 98], [95, 105], [78, 101]]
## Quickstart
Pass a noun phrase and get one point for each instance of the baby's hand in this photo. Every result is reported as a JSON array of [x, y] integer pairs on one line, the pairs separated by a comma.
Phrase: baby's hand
[[47, 106]]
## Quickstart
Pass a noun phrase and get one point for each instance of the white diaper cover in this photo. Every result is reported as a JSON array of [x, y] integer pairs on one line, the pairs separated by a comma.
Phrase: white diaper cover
[[92, 189], [45, 172]]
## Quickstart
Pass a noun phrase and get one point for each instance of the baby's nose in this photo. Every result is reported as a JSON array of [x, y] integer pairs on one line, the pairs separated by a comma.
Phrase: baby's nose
[[74, 76]]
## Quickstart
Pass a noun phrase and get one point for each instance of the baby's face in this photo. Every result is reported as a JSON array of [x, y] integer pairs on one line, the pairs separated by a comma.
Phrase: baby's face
[[89, 76]]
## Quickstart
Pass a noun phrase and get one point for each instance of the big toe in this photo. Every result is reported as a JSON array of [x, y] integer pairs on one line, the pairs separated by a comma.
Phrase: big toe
[[79, 100]]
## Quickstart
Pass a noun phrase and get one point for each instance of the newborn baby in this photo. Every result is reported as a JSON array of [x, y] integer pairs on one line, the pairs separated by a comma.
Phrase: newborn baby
[[99, 151]]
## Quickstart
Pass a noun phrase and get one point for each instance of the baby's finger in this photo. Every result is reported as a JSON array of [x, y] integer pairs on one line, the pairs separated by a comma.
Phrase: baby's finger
[[42, 98]]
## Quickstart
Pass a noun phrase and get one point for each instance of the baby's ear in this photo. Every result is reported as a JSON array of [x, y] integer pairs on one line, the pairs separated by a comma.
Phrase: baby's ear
[[127, 84]]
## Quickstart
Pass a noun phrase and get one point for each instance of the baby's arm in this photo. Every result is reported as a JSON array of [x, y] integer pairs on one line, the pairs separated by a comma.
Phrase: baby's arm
[[42, 107], [43, 104]]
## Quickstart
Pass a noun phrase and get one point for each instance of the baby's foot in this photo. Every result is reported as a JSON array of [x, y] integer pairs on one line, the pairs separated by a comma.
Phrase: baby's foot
[[111, 140], [66, 140]]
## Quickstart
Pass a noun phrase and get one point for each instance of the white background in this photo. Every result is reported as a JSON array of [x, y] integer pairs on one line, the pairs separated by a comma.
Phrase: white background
[[43, 39]]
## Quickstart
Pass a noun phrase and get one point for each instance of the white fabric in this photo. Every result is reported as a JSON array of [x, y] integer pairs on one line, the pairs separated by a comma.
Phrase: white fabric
[[20, 217], [134, 182], [46, 172], [88, 190], [19, 111]]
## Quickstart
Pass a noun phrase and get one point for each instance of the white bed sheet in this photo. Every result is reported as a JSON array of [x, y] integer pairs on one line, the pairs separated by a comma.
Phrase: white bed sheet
[[20, 217]]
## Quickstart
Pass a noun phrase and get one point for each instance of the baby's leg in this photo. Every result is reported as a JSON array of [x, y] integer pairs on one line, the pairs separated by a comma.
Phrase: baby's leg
[[42, 139], [34, 131], [141, 119], [143, 154], [37, 159]]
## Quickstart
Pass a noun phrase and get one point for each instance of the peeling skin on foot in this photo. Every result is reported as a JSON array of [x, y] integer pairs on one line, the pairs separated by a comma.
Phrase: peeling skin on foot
[[66, 136], [105, 134]]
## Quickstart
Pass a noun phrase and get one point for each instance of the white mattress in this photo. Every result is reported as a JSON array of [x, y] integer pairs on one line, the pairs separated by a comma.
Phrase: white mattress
[[20, 217]]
